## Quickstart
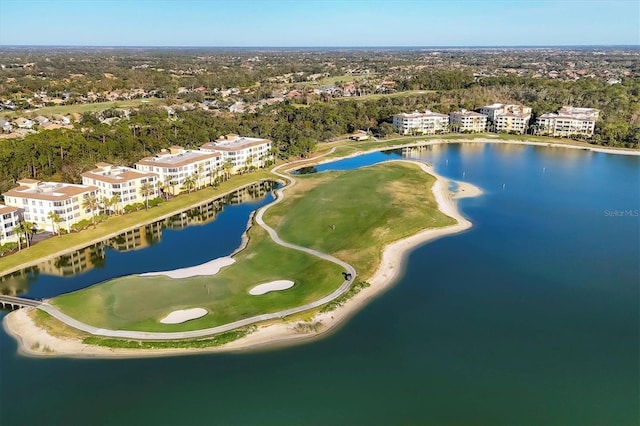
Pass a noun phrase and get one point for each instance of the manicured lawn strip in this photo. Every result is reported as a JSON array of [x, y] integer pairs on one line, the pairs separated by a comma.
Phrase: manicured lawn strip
[[218, 340], [117, 224], [138, 303], [354, 214]]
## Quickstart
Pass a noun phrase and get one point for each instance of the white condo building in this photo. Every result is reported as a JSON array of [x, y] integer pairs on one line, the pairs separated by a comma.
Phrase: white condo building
[[9, 220], [37, 199], [125, 182], [173, 167], [508, 117], [568, 121], [240, 152], [468, 121], [424, 123]]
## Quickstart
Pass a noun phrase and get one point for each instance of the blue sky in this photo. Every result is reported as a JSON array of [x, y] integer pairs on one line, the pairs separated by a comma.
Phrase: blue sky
[[319, 22]]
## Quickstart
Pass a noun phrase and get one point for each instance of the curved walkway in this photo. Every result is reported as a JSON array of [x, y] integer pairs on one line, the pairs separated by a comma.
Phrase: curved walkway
[[143, 335]]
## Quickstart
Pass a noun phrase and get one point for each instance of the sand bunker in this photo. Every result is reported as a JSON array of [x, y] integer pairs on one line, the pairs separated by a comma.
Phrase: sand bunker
[[209, 268], [271, 286], [183, 315]]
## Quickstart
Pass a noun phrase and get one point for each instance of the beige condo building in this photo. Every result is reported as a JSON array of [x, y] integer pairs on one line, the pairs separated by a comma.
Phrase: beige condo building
[[468, 121], [125, 182], [240, 152], [507, 117], [568, 121], [423, 123], [38, 199], [9, 220], [174, 166]]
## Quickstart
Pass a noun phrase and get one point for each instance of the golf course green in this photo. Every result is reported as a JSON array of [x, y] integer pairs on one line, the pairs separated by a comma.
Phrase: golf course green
[[351, 215]]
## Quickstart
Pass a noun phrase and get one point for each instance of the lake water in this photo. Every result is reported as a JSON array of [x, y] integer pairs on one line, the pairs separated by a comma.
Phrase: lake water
[[531, 317]]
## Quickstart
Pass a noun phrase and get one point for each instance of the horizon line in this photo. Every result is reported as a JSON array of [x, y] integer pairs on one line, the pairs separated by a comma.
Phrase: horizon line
[[539, 46]]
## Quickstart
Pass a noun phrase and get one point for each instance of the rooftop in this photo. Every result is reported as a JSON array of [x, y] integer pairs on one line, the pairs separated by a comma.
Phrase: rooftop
[[109, 173], [465, 113], [178, 159], [30, 188], [233, 143], [7, 209], [417, 114]]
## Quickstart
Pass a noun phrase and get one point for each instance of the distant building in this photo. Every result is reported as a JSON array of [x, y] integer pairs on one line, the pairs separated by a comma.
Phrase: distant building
[[23, 123], [507, 117], [124, 182], [359, 135], [421, 123], [468, 121], [568, 121], [240, 151], [9, 220], [173, 167], [37, 199], [5, 126]]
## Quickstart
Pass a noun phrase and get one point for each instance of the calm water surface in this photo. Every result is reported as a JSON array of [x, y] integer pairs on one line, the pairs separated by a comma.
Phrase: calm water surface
[[531, 317]]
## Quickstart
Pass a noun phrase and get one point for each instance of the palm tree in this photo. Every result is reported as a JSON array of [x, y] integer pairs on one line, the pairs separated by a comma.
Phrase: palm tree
[[23, 228], [115, 200], [189, 183], [55, 221], [92, 203], [145, 190], [217, 175], [106, 203], [199, 176], [248, 162], [164, 187], [227, 166]]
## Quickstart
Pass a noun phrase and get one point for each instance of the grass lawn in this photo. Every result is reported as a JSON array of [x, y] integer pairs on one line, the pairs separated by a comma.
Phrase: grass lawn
[[369, 208], [82, 108], [138, 303]]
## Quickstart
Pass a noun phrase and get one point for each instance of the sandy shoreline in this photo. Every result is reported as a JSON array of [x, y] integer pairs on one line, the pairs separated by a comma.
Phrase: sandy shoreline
[[208, 268], [36, 341]]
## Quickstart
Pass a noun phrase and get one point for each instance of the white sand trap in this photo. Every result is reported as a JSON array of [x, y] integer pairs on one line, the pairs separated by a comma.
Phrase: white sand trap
[[210, 268], [183, 315], [271, 286]]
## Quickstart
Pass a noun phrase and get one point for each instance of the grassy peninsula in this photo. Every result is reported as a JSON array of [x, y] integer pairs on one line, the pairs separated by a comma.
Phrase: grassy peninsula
[[351, 215]]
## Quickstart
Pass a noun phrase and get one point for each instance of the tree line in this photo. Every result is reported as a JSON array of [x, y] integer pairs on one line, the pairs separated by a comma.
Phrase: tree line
[[63, 154]]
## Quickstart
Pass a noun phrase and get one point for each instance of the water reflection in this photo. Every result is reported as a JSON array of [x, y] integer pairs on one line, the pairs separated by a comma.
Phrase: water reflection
[[94, 256], [18, 282]]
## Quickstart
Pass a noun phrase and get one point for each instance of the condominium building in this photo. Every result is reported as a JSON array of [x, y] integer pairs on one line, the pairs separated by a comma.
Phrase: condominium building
[[468, 121], [507, 117], [125, 182], [568, 121], [178, 165], [240, 152], [9, 220], [424, 123], [38, 199]]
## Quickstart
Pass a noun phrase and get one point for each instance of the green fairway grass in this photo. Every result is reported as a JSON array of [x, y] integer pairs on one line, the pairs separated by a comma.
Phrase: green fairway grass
[[368, 208], [354, 214], [138, 303]]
